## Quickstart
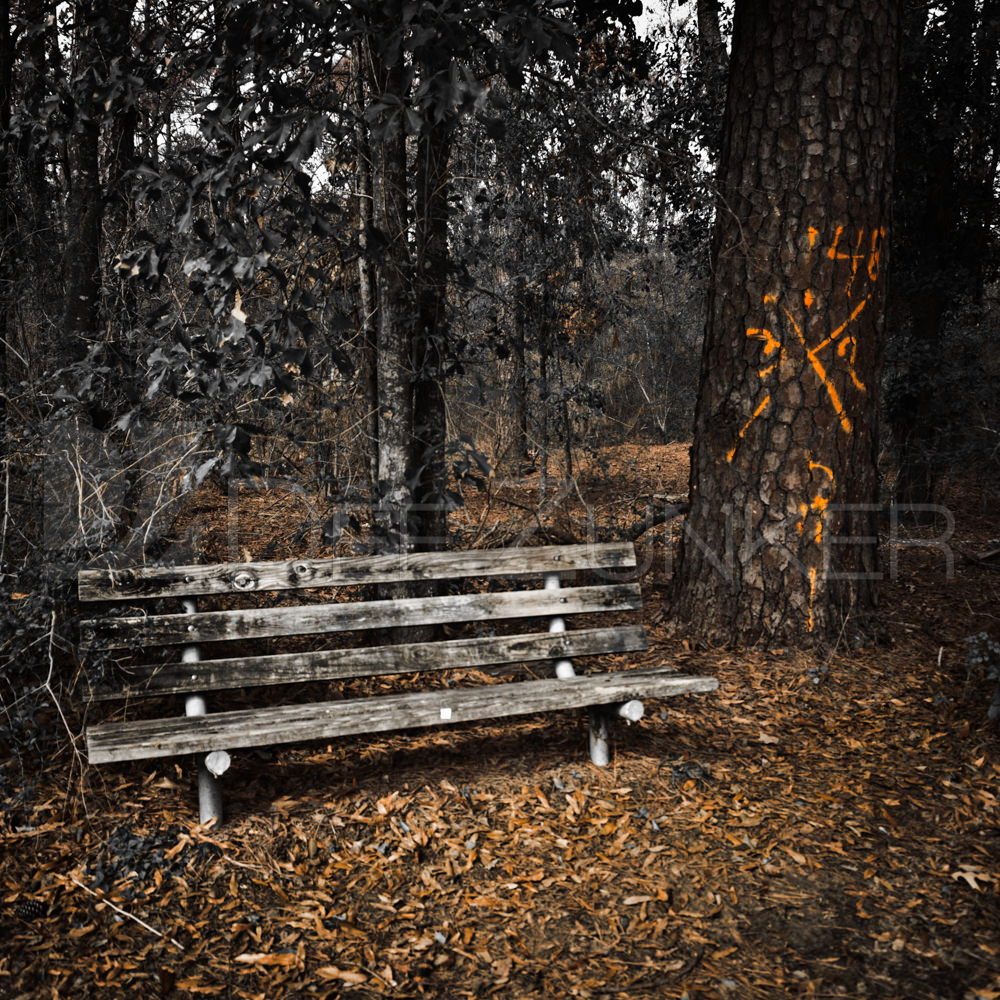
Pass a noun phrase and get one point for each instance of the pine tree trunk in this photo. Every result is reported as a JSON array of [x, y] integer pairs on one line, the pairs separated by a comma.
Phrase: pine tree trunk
[[226, 83], [780, 541]]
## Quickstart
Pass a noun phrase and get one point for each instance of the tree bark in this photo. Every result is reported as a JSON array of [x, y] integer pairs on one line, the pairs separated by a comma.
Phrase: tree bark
[[780, 541], [520, 449], [709, 33], [544, 353], [942, 211], [984, 151], [367, 280], [227, 81], [33, 72], [84, 208], [431, 341], [6, 203], [714, 64], [122, 158], [395, 306]]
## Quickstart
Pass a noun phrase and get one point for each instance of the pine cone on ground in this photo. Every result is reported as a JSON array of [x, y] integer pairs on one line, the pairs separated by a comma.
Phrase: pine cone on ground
[[30, 909]]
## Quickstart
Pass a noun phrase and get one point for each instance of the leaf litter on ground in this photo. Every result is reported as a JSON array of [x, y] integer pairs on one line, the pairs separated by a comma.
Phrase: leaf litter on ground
[[820, 826]]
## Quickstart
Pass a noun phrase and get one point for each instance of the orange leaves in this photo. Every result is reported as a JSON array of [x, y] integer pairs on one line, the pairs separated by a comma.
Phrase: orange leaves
[[258, 958], [847, 845], [574, 805], [199, 987], [330, 973]]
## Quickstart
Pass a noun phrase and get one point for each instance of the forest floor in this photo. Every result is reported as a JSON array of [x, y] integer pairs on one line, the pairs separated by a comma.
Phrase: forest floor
[[821, 826]]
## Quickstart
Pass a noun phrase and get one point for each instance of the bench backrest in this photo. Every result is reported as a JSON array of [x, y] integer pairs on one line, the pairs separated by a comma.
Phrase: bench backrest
[[113, 630]]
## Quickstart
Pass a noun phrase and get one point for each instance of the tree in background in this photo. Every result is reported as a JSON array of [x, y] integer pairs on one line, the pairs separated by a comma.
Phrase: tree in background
[[944, 249], [6, 207], [394, 273], [84, 203], [431, 66], [572, 239], [780, 541]]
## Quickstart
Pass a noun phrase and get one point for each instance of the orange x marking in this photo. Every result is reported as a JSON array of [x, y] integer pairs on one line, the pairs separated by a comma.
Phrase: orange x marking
[[813, 356], [772, 344]]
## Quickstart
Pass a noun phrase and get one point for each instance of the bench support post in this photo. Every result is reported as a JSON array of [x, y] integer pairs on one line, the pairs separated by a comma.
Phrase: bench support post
[[564, 668], [209, 786], [601, 717], [600, 753]]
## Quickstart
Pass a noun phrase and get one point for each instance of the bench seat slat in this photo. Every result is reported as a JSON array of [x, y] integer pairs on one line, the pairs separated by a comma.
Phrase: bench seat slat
[[214, 626], [371, 661], [326, 720], [227, 578]]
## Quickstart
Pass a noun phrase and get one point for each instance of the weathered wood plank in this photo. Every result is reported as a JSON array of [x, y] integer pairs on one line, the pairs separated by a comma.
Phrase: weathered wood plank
[[310, 619], [372, 661], [325, 720], [225, 578]]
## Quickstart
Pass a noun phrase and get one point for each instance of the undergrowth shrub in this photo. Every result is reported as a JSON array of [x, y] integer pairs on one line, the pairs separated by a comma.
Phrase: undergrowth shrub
[[982, 659]]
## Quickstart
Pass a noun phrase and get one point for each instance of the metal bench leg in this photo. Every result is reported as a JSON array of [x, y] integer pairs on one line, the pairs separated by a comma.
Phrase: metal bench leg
[[209, 786], [601, 717], [564, 668], [600, 753], [210, 766]]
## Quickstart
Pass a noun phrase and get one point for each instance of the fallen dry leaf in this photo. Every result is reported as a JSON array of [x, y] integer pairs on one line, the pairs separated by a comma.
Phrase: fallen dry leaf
[[331, 972], [260, 958]]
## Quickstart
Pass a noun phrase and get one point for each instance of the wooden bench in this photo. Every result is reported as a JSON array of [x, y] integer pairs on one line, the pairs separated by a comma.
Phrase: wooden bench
[[222, 650]]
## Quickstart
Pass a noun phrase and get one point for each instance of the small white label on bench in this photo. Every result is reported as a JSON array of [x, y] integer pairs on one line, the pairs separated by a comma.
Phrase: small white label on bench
[[445, 714]]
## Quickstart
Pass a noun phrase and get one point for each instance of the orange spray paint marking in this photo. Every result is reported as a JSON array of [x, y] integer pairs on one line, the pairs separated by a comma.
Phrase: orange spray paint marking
[[831, 389], [842, 347], [843, 326], [875, 259], [771, 343], [804, 511], [847, 347], [818, 507], [851, 343], [862, 253], [816, 465], [832, 252], [855, 258], [871, 258], [746, 426]]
